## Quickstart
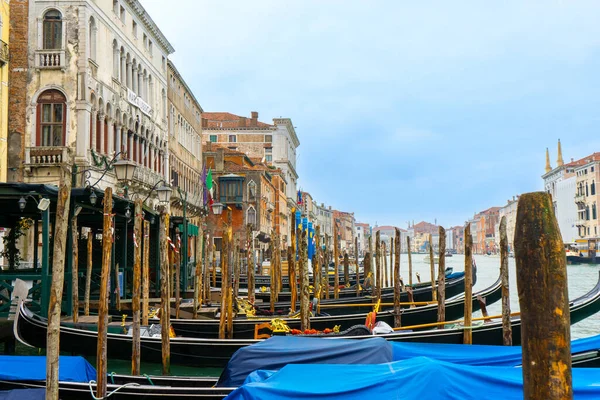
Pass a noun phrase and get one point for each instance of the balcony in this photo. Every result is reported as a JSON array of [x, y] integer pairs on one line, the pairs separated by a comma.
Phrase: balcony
[[50, 59], [579, 198], [46, 156], [231, 199]]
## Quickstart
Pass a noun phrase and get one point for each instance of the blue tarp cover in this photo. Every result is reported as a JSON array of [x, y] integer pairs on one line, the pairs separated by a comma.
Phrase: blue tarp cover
[[23, 394], [278, 351], [33, 368], [500, 356], [417, 378]]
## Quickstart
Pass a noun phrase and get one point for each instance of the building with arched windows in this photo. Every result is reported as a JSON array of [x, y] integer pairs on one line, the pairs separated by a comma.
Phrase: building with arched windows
[[95, 89]]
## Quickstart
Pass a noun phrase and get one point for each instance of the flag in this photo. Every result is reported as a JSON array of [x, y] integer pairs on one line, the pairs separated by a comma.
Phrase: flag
[[299, 197], [203, 184], [209, 180]]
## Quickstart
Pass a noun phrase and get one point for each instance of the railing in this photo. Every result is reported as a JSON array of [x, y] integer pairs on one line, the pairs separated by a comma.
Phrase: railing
[[231, 199], [579, 198], [146, 176], [46, 156], [50, 59]]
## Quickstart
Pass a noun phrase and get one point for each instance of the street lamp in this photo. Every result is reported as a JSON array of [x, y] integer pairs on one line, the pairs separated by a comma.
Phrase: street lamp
[[124, 170], [217, 208], [163, 192]]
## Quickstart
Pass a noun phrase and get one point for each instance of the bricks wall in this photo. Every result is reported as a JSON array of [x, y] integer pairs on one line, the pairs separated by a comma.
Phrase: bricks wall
[[17, 88]]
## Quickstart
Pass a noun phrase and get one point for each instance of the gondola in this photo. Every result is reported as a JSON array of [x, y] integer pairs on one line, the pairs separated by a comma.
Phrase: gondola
[[265, 280], [30, 329], [455, 284]]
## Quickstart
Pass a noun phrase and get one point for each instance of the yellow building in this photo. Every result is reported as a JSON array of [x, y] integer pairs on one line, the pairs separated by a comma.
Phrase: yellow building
[[5, 24]]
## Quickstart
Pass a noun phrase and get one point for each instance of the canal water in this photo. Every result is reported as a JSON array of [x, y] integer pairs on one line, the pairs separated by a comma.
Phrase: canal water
[[582, 278]]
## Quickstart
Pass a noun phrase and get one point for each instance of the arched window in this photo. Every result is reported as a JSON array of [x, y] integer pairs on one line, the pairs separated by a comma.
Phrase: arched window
[[52, 30], [594, 214], [593, 188], [92, 38], [251, 191], [51, 118], [251, 216]]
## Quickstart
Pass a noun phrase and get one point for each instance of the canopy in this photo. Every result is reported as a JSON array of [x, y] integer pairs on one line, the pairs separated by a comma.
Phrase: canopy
[[278, 351], [507, 356], [23, 394], [33, 368], [418, 378]]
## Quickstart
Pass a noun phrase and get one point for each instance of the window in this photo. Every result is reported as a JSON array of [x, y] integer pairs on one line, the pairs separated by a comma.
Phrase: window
[[251, 216], [593, 188], [145, 40], [122, 14], [52, 30], [594, 215], [134, 29], [213, 138], [116, 6], [592, 169], [587, 213], [164, 63], [232, 139], [150, 47], [251, 191], [217, 243], [268, 154], [268, 138], [92, 38], [51, 109]]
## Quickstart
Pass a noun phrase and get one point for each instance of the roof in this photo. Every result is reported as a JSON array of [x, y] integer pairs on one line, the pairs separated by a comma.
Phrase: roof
[[387, 228], [231, 121]]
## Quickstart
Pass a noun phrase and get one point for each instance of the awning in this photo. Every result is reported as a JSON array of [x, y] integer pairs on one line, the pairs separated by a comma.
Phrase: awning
[[192, 229]]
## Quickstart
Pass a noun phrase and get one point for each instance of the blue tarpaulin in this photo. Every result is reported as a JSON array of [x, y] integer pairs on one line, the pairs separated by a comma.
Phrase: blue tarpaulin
[[278, 351], [23, 394], [500, 356], [417, 378], [33, 368]]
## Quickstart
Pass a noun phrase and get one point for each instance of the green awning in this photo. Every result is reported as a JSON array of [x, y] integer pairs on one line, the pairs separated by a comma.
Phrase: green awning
[[192, 229]]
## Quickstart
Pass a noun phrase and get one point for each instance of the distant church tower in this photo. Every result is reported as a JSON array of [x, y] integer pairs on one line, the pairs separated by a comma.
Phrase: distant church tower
[[548, 167], [559, 162]]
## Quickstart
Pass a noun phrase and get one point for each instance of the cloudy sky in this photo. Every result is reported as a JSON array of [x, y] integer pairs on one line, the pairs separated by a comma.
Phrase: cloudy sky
[[405, 110]]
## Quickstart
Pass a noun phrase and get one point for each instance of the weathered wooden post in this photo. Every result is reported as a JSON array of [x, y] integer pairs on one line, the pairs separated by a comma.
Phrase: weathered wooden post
[[346, 270], [214, 266], [397, 289], [61, 226], [336, 262], [107, 238], [206, 272], [409, 250], [506, 325], [432, 269], [390, 282], [441, 287], [357, 267], [250, 263], [544, 300], [468, 239], [146, 274], [224, 283], [165, 298], [198, 281], [230, 248], [273, 285], [292, 264], [384, 275], [178, 276], [237, 266], [75, 269], [317, 267], [88, 274], [304, 303], [327, 242], [137, 278], [378, 266]]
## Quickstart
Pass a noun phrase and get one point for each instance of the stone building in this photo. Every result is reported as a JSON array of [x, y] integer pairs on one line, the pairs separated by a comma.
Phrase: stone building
[[510, 212], [561, 184], [274, 143], [185, 145], [363, 231], [324, 221], [346, 227], [95, 88], [587, 197], [4, 86]]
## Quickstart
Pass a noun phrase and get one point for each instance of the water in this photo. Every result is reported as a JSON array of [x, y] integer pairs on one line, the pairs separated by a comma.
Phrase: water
[[582, 278]]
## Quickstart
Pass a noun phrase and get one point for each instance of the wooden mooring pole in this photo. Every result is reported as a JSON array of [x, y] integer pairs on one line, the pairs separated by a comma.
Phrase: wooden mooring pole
[[441, 284], [293, 278], [468, 239], [272, 277], [224, 283], [506, 325], [75, 269], [318, 275], [543, 299], [88, 274], [61, 226], [384, 275], [336, 262], [146, 274], [178, 259], [409, 250], [198, 281], [165, 298], [347, 270], [432, 269], [391, 274], [137, 278], [107, 238], [397, 291], [378, 266], [357, 268], [250, 263], [304, 303]]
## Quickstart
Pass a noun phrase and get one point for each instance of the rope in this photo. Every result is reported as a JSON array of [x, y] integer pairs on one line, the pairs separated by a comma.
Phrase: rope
[[112, 377], [149, 380], [90, 383]]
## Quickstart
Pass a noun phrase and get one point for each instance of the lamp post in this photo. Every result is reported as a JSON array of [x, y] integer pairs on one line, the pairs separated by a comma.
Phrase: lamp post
[[184, 251]]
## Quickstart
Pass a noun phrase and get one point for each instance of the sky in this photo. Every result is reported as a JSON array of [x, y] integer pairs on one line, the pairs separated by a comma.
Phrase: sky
[[406, 111]]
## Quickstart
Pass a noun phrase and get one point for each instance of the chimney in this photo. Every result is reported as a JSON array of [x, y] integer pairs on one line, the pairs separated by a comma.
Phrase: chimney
[[254, 120], [242, 122], [220, 159]]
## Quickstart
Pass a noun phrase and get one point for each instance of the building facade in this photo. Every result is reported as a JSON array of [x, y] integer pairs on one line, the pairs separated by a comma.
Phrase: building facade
[[96, 90], [363, 231], [4, 87], [510, 212], [324, 221], [587, 197], [345, 224]]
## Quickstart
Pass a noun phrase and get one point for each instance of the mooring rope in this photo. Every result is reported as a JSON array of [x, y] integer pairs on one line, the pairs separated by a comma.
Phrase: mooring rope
[[90, 383]]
